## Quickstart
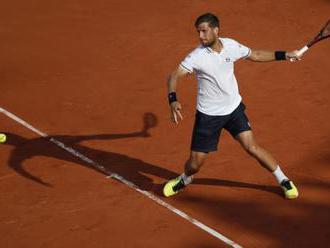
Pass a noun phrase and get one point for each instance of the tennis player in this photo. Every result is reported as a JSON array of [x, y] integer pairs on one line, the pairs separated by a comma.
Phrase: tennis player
[[219, 103]]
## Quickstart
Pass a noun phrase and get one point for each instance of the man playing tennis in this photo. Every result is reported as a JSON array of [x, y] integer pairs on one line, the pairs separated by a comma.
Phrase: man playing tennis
[[219, 104]]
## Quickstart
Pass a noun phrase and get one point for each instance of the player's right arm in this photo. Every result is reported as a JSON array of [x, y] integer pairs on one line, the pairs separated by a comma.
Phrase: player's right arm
[[267, 56], [175, 106]]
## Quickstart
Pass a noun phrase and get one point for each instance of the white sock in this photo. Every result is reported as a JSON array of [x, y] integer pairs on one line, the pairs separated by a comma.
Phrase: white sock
[[186, 179], [279, 175]]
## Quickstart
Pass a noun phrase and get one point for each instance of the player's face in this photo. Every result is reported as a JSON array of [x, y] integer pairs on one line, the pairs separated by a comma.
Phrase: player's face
[[207, 34]]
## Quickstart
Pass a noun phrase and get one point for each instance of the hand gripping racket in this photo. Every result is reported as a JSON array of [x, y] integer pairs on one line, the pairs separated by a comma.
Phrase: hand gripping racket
[[323, 34]]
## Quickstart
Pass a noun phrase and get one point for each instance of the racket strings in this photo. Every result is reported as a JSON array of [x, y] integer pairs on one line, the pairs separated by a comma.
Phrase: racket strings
[[325, 32]]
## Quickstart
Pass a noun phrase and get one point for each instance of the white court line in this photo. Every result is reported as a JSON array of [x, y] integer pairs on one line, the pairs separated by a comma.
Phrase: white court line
[[123, 180]]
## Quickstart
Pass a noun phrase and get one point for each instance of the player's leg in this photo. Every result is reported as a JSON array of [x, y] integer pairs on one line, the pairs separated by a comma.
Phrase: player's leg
[[195, 162], [266, 159], [205, 139], [192, 166], [239, 128]]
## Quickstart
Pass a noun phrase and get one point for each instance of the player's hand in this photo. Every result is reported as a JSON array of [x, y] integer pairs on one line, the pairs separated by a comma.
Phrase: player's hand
[[176, 112], [293, 56]]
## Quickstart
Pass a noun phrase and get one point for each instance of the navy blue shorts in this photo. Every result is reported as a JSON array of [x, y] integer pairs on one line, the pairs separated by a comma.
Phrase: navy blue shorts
[[207, 128]]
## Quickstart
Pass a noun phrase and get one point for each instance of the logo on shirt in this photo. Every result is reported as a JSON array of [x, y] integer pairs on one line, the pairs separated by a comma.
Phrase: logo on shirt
[[227, 59]]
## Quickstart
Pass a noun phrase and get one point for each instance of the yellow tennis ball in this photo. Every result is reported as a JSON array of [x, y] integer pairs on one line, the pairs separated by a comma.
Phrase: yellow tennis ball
[[3, 138]]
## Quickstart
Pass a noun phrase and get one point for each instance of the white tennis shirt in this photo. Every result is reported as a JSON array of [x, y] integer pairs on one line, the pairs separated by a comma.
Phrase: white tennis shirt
[[218, 92]]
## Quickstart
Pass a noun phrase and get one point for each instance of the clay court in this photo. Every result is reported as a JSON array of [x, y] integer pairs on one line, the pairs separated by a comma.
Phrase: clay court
[[92, 75]]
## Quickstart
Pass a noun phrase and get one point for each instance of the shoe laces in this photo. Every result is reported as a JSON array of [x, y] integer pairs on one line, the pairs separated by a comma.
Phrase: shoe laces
[[179, 185], [286, 184]]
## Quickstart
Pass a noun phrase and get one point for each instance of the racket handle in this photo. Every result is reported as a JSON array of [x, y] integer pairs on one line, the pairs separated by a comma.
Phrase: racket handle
[[302, 51]]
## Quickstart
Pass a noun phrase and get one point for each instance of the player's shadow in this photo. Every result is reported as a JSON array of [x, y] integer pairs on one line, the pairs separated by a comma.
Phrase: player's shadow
[[228, 183], [132, 169]]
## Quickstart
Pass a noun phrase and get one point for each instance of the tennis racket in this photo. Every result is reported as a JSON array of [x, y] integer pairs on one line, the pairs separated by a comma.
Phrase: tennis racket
[[323, 34]]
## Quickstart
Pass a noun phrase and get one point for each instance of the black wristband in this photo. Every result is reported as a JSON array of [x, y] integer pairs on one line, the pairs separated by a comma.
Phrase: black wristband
[[280, 55], [172, 97]]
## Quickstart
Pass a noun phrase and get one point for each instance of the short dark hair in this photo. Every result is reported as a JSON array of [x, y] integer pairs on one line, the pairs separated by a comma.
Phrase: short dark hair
[[211, 19]]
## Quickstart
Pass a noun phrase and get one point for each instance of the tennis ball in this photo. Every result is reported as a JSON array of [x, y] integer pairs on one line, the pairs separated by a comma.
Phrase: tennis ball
[[3, 138]]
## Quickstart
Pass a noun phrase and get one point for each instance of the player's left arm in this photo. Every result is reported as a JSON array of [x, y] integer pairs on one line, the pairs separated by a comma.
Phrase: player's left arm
[[268, 56]]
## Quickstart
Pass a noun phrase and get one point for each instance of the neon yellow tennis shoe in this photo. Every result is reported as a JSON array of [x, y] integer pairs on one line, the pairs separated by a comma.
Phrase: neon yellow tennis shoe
[[173, 187], [290, 190]]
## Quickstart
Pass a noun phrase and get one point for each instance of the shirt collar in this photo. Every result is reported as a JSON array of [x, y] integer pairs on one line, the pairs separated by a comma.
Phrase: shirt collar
[[209, 49]]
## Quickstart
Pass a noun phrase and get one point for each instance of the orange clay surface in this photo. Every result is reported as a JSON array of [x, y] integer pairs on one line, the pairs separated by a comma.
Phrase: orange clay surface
[[86, 72]]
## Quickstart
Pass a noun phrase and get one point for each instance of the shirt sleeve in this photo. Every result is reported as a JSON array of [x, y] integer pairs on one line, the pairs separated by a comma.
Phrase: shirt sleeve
[[188, 63], [241, 51]]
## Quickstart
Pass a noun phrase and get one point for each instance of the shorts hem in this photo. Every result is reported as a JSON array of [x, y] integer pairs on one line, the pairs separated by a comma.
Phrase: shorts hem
[[203, 150], [239, 132]]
